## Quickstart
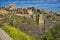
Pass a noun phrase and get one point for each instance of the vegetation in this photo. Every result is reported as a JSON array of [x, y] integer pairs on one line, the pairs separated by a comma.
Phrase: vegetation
[[13, 20], [14, 26], [54, 33], [15, 33], [37, 14]]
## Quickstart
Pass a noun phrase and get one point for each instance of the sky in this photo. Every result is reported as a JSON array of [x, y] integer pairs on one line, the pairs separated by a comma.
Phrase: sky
[[51, 5]]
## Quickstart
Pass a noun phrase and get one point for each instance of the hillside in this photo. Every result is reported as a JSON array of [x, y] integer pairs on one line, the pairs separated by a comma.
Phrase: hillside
[[30, 20]]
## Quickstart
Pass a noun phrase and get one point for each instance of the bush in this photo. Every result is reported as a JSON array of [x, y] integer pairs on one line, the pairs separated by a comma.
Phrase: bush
[[54, 33]]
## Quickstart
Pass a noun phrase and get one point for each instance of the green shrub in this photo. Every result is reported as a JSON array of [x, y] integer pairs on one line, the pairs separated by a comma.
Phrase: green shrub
[[54, 33]]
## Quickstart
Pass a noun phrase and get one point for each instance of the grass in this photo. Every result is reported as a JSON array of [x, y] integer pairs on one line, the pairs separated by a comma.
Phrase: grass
[[15, 33]]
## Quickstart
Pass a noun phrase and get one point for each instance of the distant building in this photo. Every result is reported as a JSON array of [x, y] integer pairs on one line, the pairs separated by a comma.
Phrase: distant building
[[30, 12], [46, 11], [58, 13], [3, 12], [12, 7]]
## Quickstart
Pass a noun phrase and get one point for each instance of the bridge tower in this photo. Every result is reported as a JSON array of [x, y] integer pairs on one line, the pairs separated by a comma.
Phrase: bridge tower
[[41, 21]]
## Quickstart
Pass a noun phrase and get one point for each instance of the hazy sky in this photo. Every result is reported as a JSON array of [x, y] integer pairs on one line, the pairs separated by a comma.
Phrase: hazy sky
[[53, 5]]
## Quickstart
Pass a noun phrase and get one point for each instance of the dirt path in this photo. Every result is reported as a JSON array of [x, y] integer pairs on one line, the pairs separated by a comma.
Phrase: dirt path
[[4, 36]]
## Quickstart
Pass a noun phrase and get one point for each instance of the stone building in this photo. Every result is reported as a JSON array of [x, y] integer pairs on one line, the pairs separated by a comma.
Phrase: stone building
[[58, 13], [12, 7], [3, 12], [30, 12]]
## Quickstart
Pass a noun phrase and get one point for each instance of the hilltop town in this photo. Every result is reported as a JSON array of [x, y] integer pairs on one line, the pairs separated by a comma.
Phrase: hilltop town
[[26, 12], [28, 24], [42, 18]]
